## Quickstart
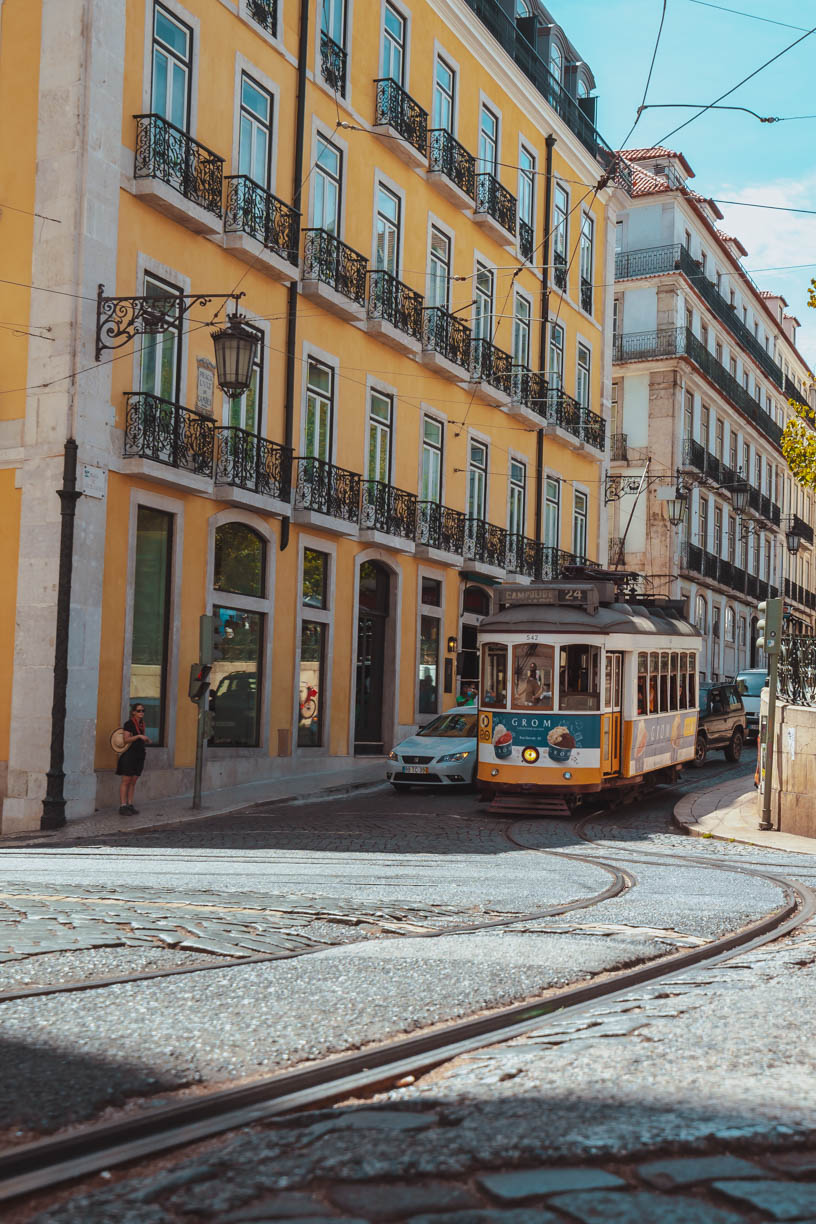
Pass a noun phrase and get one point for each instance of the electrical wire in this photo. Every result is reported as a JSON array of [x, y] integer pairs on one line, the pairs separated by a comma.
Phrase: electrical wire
[[625, 142], [741, 13]]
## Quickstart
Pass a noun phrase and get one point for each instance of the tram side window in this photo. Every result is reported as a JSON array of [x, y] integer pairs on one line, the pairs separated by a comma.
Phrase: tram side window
[[580, 677], [654, 677], [494, 677], [664, 681], [683, 678], [533, 677], [673, 680], [692, 682], [643, 683]]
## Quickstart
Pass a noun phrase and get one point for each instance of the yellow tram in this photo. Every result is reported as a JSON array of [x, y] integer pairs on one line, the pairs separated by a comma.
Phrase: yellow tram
[[581, 693]]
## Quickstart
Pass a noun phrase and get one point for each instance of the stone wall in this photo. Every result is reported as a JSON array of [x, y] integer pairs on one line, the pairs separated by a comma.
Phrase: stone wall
[[793, 794]]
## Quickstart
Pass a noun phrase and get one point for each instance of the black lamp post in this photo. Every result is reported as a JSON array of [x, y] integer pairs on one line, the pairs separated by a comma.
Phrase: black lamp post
[[235, 347]]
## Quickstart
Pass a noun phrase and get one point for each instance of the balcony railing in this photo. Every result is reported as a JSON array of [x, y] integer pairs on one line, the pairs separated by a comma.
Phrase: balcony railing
[[447, 156], [326, 489], [247, 461], [522, 555], [440, 527], [388, 509], [559, 266], [496, 201], [555, 562], [327, 259], [525, 237], [165, 432], [681, 341], [793, 392], [618, 449], [586, 295], [394, 302], [443, 333], [265, 13], [165, 152], [804, 530], [485, 542], [333, 60], [399, 110], [654, 261], [697, 560], [254, 211], [491, 365], [797, 669], [568, 414]]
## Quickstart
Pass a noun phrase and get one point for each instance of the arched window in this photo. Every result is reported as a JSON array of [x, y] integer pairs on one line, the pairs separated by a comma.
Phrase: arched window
[[701, 613], [581, 89], [240, 560], [523, 9], [556, 61], [477, 601], [730, 625]]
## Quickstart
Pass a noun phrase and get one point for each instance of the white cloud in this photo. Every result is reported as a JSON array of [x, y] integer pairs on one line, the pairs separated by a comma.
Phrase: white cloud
[[779, 240]]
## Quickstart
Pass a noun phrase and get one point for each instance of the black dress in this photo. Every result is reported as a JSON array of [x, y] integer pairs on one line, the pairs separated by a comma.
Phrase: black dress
[[131, 762]]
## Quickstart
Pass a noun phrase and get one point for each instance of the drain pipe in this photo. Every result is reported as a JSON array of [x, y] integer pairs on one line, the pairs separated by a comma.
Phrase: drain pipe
[[545, 311], [292, 302]]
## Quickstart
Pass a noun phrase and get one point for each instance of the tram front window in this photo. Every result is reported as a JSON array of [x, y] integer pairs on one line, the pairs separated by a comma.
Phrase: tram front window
[[533, 677], [494, 677], [580, 676]]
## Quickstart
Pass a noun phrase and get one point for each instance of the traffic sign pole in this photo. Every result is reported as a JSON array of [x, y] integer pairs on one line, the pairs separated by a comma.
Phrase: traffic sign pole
[[769, 633]]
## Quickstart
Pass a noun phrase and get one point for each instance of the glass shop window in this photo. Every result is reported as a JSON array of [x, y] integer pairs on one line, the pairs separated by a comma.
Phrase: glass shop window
[[151, 618], [533, 677], [494, 677], [240, 560], [235, 681], [580, 677], [643, 683], [315, 578], [310, 697]]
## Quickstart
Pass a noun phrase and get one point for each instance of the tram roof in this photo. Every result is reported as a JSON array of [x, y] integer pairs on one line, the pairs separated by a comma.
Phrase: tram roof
[[650, 621]]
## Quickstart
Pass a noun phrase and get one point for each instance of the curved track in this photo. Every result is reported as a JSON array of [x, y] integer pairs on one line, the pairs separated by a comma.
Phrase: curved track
[[51, 1162]]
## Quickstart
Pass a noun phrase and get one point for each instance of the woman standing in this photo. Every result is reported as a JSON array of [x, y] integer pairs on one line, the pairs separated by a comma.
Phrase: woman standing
[[131, 763]]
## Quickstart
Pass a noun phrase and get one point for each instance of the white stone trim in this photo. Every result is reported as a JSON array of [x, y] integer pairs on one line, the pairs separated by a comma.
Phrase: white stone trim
[[244, 65]]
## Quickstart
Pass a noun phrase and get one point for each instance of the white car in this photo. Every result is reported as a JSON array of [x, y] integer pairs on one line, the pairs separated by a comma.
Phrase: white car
[[442, 754], [750, 684]]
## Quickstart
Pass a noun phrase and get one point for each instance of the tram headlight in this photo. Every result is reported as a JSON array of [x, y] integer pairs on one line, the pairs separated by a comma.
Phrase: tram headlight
[[494, 773], [529, 755], [567, 774]]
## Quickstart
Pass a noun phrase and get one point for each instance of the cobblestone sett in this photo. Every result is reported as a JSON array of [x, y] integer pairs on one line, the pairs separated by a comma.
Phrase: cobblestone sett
[[534, 1183], [392, 1200], [288, 1205], [687, 1170], [538, 1215], [642, 1207], [778, 1200]]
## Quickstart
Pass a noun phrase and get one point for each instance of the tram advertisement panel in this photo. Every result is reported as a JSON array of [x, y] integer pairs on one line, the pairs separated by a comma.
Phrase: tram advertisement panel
[[651, 743], [558, 739]]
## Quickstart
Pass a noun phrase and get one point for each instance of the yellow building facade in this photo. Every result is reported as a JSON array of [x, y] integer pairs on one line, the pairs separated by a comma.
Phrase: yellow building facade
[[419, 216]]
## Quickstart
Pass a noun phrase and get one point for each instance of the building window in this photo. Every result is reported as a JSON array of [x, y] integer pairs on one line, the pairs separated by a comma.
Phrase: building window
[[687, 240], [313, 648], [518, 498], [431, 592], [583, 384], [556, 62], [151, 618], [239, 561], [235, 684], [556, 370], [703, 523], [255, 136], [587, 259], [428, 667], [431, 477], [439, 259], [172, 68], [579, 524], [743, 630], [328, 171], [333, 20], [526, 195], [388, 231], [380, 424], [393, 46], [315, 578], [688, 416], [319, 410], [719, 437], [701, 613], [444, 97], [560, 223], [704, 425], [521, 331], [732, 450], [614, 409], [552, 512], [488, 141], [160, 364], [244, 411], [730, 625], [731, 528], [483, 306], [718, 531], [477, 480]]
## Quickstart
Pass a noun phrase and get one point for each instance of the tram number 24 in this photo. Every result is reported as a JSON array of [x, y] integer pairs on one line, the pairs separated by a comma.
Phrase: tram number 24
[[572, 595]]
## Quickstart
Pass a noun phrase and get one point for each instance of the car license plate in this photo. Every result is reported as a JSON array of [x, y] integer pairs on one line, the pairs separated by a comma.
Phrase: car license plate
[[420, 769]]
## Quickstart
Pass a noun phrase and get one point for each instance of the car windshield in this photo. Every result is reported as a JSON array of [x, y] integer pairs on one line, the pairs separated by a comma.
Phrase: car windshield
[[751, 684], [459, 724]]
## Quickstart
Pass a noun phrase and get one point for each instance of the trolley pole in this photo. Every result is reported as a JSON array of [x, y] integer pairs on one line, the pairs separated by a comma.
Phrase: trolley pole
[[769, 632]]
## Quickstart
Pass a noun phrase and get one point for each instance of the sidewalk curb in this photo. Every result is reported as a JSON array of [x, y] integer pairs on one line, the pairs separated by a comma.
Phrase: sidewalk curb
[[709, 814]]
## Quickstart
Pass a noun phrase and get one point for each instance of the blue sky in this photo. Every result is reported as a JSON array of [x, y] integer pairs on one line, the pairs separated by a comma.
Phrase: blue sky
[[702, 53]]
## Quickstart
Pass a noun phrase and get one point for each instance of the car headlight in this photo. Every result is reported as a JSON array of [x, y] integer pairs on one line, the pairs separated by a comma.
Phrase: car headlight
[[392, 756], [453, 756]]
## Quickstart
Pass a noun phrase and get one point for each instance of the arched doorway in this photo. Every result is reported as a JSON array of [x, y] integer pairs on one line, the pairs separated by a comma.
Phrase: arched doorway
[[372, 623]]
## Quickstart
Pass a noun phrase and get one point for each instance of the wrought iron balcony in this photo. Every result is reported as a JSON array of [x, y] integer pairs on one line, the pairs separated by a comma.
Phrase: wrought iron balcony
[[165, 432], [522, 555], [586, 295], [556, 562], [618, 448], [593, 429], [326, 489], [793, 392], [165, 152], [797, 669], [496, 201], [398, 110], [265, 13], [656, 261], [447, 156], [560, 270], [394, 302], [333, 59], [327, 259], [681, 342], [804, 530], [525, 236], [528, 387], [485, 542], [568, 414], [491, 365], [388, 509], [440, 527], [248, 461], [254, 211], [444, 333]]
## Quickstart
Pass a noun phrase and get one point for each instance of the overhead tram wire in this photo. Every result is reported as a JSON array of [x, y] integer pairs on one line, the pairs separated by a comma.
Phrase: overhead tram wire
[[742, 13], [625, 142]]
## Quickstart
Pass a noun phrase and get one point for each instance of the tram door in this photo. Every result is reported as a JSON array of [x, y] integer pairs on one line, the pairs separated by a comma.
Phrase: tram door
[[611, 719]]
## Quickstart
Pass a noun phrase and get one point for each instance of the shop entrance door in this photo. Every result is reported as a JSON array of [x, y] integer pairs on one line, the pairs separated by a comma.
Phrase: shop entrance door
[[372, 625], [611, 719]]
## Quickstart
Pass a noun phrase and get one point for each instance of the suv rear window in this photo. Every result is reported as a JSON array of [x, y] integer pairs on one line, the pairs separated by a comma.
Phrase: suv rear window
[[752, 684]]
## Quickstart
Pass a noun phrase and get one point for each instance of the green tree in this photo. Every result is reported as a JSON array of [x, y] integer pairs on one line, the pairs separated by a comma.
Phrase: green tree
[[799, 435]]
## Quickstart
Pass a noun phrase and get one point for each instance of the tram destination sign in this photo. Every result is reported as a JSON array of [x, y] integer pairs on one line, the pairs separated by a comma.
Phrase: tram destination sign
[[564, 594]]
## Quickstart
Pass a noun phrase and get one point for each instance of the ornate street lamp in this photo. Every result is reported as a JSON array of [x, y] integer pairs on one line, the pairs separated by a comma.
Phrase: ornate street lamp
[[677, 505], [793, 536], [740, 493], [235, 347]]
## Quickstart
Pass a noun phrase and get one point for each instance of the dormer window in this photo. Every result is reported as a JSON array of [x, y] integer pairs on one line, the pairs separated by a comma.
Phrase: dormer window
[[556, 62]]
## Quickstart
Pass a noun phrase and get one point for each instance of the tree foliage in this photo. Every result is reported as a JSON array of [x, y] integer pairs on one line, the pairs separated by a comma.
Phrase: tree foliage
[[799, 435]]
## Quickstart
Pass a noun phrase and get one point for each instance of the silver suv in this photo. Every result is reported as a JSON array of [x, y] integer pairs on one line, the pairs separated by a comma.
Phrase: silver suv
[[750, 684]]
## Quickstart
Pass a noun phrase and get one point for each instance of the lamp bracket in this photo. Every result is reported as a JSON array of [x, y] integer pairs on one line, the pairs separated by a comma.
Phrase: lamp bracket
[[616, 487], [119, 319]]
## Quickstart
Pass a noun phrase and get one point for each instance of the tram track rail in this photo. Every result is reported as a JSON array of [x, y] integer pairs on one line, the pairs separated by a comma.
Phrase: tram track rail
[[48, 1163]]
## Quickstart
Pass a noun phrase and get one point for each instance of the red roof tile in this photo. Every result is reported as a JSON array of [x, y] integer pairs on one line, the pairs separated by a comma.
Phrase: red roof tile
[[654, 153]]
